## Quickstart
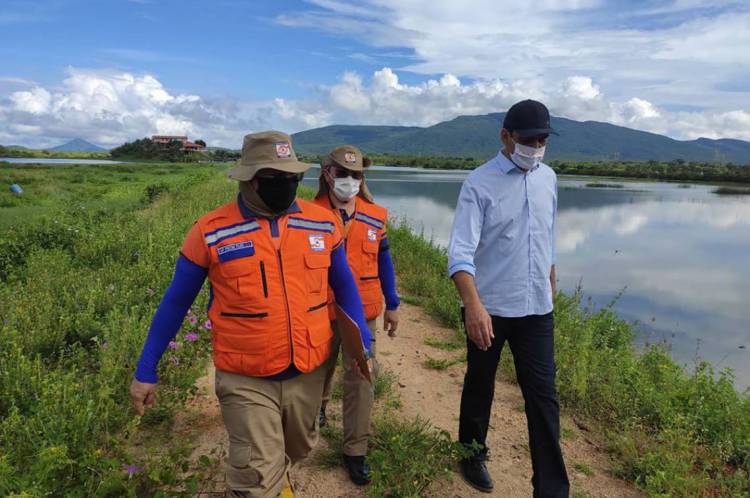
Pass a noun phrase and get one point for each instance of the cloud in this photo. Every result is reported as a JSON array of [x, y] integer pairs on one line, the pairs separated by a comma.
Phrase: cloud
[[666, 52], [111, 107]]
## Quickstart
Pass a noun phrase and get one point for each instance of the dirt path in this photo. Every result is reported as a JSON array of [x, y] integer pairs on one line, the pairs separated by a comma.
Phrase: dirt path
[[419, 387]]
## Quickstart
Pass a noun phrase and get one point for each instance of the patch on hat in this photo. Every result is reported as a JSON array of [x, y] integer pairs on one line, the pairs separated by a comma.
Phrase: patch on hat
[[283, 150], [350, 157]]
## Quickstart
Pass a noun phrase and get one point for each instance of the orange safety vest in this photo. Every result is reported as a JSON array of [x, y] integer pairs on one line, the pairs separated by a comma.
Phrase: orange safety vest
[[362, 244], [268, 305]]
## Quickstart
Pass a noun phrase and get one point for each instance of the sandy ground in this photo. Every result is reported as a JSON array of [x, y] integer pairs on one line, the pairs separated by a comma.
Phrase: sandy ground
[[419, 387]]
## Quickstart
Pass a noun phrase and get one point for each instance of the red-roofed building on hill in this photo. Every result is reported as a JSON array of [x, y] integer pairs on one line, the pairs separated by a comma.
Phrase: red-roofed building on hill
[[187, 145]]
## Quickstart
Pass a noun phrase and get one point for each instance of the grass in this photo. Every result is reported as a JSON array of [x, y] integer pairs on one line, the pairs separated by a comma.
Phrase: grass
[[77, 293], [442, 363], [673, 432], [583, 468], [444, 345]]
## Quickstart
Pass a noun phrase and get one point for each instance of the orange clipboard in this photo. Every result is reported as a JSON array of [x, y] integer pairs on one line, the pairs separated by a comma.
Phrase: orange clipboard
[[351, 341]]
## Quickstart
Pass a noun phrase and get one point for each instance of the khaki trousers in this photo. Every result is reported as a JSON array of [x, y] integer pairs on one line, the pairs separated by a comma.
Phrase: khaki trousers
[[272, 424], [358, 396]]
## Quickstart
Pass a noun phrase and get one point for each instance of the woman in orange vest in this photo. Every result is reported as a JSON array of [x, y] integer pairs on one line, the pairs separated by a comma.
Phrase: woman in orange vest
[[343, 192], [271, 260]]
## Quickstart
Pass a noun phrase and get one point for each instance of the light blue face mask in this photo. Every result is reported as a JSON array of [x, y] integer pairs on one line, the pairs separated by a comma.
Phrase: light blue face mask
[[527, 157]]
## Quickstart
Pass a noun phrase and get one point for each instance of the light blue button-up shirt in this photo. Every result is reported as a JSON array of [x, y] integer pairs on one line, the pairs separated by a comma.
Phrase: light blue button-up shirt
[[504, 235]]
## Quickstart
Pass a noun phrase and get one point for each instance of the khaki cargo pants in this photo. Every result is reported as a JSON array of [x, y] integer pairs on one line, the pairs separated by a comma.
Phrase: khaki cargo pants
[[272, 424], [358, 396]]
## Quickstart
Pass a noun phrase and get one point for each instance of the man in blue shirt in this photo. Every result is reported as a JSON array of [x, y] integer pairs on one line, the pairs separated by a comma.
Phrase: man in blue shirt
[[501, 257]]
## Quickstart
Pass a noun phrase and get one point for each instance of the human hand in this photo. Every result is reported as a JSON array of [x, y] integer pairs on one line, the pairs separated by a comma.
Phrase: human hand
[[478, 325], [390, 322], [142, 394]]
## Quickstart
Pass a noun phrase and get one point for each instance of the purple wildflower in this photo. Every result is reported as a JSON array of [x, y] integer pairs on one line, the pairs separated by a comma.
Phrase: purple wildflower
[[208, 325], [174, 345], [174, 360], [191, 337], [131, 469], [193, 319]]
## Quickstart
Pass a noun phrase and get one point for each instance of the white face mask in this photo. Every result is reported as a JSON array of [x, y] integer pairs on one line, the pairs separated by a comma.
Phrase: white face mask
[[527, 157], [346, 188]]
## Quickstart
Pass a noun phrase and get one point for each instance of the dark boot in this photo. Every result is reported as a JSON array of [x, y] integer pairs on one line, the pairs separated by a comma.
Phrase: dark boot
[[474, 471], [322, 419], [359, 471]]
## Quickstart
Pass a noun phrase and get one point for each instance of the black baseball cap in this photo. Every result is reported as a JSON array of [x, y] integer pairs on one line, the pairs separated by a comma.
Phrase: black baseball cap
[[529, 118]]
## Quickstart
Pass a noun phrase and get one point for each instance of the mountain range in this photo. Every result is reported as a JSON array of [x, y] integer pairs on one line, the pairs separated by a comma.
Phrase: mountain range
[[478, 137], [77, 145]]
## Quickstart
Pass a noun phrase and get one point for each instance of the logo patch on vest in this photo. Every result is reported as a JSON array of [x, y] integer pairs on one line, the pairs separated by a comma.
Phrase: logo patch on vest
[[372, 235], [317, 243], [236, 250]]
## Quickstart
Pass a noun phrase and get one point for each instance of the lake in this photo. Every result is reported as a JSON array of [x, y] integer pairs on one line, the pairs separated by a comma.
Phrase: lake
[[675, 257], [55, 160]]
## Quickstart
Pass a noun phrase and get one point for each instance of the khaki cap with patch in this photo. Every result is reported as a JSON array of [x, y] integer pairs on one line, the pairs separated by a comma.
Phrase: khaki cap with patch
[[266, 150], [347, 156]]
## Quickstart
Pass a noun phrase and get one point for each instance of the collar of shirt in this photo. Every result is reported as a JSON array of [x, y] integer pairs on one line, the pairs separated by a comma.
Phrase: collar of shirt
[[345, 217], [507, 166], [247, 213]]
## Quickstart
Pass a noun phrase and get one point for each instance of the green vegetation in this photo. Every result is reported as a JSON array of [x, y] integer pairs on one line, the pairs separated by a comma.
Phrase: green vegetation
[[116, 187], [604, 185], [145, 149], [82, 274], [674, 433], [444, 345], [43, 154], [732, 191], [441, 363], [583, 468], [406, 456], [677, 170], [77, 293]]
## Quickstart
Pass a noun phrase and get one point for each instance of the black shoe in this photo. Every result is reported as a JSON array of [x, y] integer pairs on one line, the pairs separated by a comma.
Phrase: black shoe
[[359, 471], [322, 419], [474, 472]]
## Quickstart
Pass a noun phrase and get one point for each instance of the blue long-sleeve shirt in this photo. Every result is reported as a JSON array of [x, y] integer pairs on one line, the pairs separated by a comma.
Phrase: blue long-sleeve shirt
[[504, 235], [386, 271], [187, 282], [387, 276]]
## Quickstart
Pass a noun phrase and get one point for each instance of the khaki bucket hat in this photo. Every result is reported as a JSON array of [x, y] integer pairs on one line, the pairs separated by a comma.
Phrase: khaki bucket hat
[[266, 150], [347, 156]]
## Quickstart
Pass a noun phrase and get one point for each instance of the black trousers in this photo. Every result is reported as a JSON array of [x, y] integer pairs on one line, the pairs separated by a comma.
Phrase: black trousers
[[531, 339]]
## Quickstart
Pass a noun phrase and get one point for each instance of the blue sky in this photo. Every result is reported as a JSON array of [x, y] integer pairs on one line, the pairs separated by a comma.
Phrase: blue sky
[[114, 70]]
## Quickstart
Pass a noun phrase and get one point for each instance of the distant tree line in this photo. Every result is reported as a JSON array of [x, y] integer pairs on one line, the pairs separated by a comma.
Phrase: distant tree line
[[675, 170], [146, 149], [13, 152]]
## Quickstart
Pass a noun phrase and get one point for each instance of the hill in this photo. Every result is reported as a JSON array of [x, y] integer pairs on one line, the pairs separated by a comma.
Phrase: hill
[[477, 137], [77, 145]]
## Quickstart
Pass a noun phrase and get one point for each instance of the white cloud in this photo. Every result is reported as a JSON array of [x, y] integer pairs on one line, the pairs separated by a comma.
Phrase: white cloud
[[109, 108], [667, 52], [35, 101]]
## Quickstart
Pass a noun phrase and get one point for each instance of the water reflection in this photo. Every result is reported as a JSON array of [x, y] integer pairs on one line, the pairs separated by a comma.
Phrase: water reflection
[[679, 253]]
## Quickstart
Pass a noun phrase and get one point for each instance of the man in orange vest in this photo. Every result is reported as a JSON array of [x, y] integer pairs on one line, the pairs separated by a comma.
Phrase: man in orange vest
[[344, 193], [270, 259]]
